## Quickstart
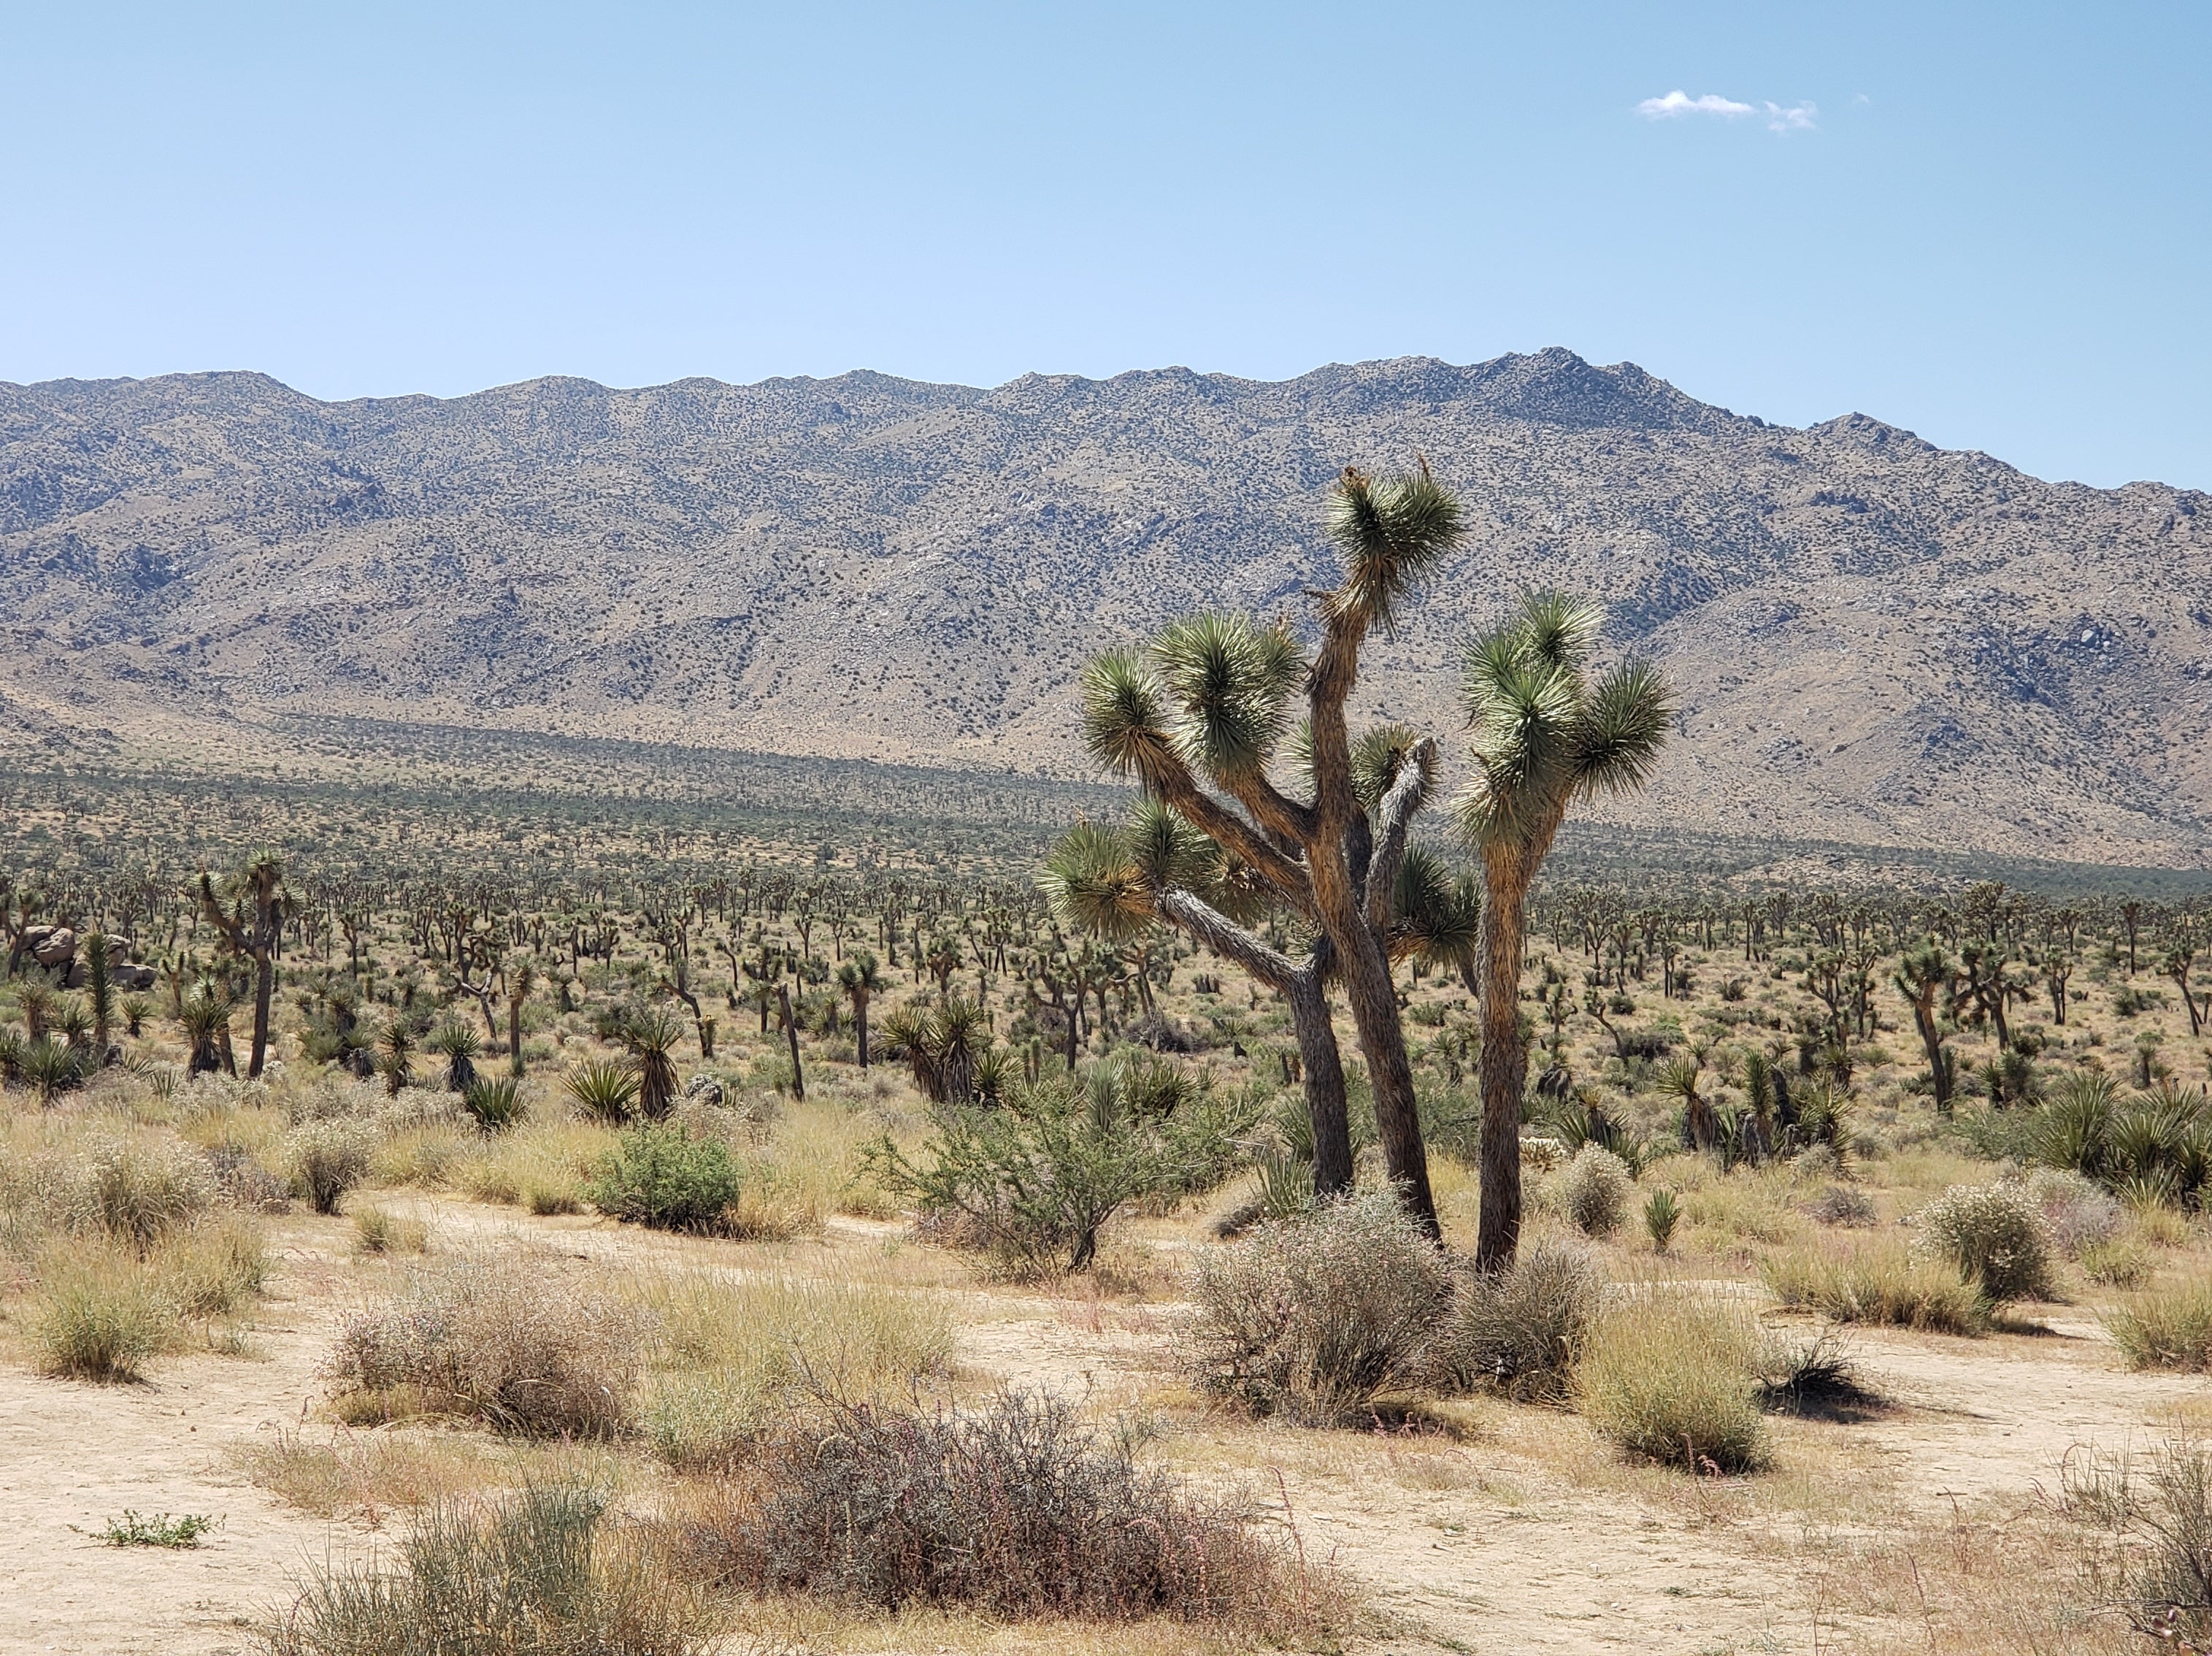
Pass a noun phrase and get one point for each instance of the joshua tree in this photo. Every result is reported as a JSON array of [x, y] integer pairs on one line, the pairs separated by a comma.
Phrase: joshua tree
[[458, 1045], [1207, 706], [205, 1010], [860, 977], [649, 1035], [1545, 735], [521, 978], [395, 1064], [1925, 975], [252, 928], [100, 990], [2179, 960]]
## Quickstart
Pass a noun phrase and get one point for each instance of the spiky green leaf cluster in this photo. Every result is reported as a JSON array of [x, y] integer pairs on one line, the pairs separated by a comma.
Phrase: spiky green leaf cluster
[[1102, 879], [1542, 734], [1391, 530]]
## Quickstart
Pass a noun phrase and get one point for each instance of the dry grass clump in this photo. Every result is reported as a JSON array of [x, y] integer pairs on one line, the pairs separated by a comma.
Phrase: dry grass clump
[[1519, 1329], [737, 1355], [505, 1338], [541, 1166], [1015, 1509], [378, 1231], [99, 1314], [2169, 1328], [1879, 1281], [1314, 1317], [370, 1472], [545, 1571], [1993, 1235], [1673, 1376]]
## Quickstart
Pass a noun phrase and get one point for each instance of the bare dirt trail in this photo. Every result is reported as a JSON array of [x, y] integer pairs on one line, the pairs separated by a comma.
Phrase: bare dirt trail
[[74, 1456]]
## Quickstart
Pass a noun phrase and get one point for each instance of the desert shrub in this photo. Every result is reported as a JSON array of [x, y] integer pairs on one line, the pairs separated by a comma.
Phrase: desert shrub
[[657, 1175], [735, 1355], [99, 1315], [329, 1158], [1880, 1283], [1015, 1509], [1314, 1317], [543, 1572], [1843, 1205], [1035, 1179], [1519, 1329], [1993, 1233], [1595, 1189], [135, 1188], [1673, 1377], [2077, 1215], [2170, 1328], [501, 1339]]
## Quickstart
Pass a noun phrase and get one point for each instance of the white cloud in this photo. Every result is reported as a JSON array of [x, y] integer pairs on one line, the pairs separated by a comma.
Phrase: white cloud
[[1794, 117]]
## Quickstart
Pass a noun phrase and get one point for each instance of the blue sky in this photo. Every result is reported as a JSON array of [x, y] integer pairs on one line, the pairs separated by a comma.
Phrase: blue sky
[[1991, 223]]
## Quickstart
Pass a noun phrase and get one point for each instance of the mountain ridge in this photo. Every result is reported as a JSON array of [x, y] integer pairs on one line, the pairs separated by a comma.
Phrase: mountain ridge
[[1879, 640]]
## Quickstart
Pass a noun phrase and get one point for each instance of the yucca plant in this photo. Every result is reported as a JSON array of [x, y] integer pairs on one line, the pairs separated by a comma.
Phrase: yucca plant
[[1545, 734], [605, 1089], [205, 1011], [50, 1066], [395, 1059], [458, 1044], [496, 1104]]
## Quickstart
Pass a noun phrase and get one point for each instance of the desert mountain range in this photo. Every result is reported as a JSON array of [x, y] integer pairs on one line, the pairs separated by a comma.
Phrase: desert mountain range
[[1876, 640]]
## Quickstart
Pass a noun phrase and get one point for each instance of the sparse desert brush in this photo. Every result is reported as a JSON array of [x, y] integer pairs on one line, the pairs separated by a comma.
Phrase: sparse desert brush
[[99, 1314], [2166, 1328], [1594, 1190], [2118, 1263], [1993, 1235], [546, 1569], [1741, 1206], [506, 1338], [1314, 1317], [328, 1157], [541, 1165], [1672, 1375], [135, 1187], [1015, 1509], [2078, 1214], [735, 1354], [1520, 1329], [1879, 1281], [660, 1175]]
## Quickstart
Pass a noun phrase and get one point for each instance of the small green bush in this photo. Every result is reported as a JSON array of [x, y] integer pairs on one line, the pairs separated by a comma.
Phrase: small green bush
[[1662, 1211], [497, 1105], [1314, 1317], [1993, 1233], [1673, 1377], [657, 1175], [1595, 1189], [136, 1529]]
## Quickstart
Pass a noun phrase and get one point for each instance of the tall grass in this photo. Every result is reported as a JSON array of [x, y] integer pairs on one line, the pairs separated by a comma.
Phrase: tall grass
[[2167, 1327], [1879, 1281], [1672, 1375], [99, 1314], [735, 1354]]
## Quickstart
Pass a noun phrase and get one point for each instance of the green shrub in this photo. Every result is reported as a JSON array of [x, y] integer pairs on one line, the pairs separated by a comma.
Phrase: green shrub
[[1595, 1189], [658, 1176], [2171, 1327], [329, 1158], [1314, 1317], [1993, 1233], [1662, 1211], [543, 1572], [1035, 1179], [1673, 1377], [1520, 1329]]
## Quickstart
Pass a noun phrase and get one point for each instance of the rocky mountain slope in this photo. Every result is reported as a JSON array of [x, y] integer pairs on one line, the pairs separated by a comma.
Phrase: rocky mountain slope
[[1877, 641]]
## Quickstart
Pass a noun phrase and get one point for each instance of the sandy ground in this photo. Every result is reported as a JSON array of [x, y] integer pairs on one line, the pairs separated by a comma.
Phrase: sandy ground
[[1503, 1541]]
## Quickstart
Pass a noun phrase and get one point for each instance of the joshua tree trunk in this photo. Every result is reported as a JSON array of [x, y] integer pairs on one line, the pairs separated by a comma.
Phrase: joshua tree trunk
[[1504, 1062], [791, 1035]]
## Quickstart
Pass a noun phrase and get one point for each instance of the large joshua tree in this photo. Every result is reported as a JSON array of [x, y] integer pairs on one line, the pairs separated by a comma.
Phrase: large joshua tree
[[1202, 712], [252, 928], [1545, 734]]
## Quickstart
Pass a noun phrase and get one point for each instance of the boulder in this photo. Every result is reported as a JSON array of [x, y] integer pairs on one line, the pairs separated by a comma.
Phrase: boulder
[[51, 945]]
